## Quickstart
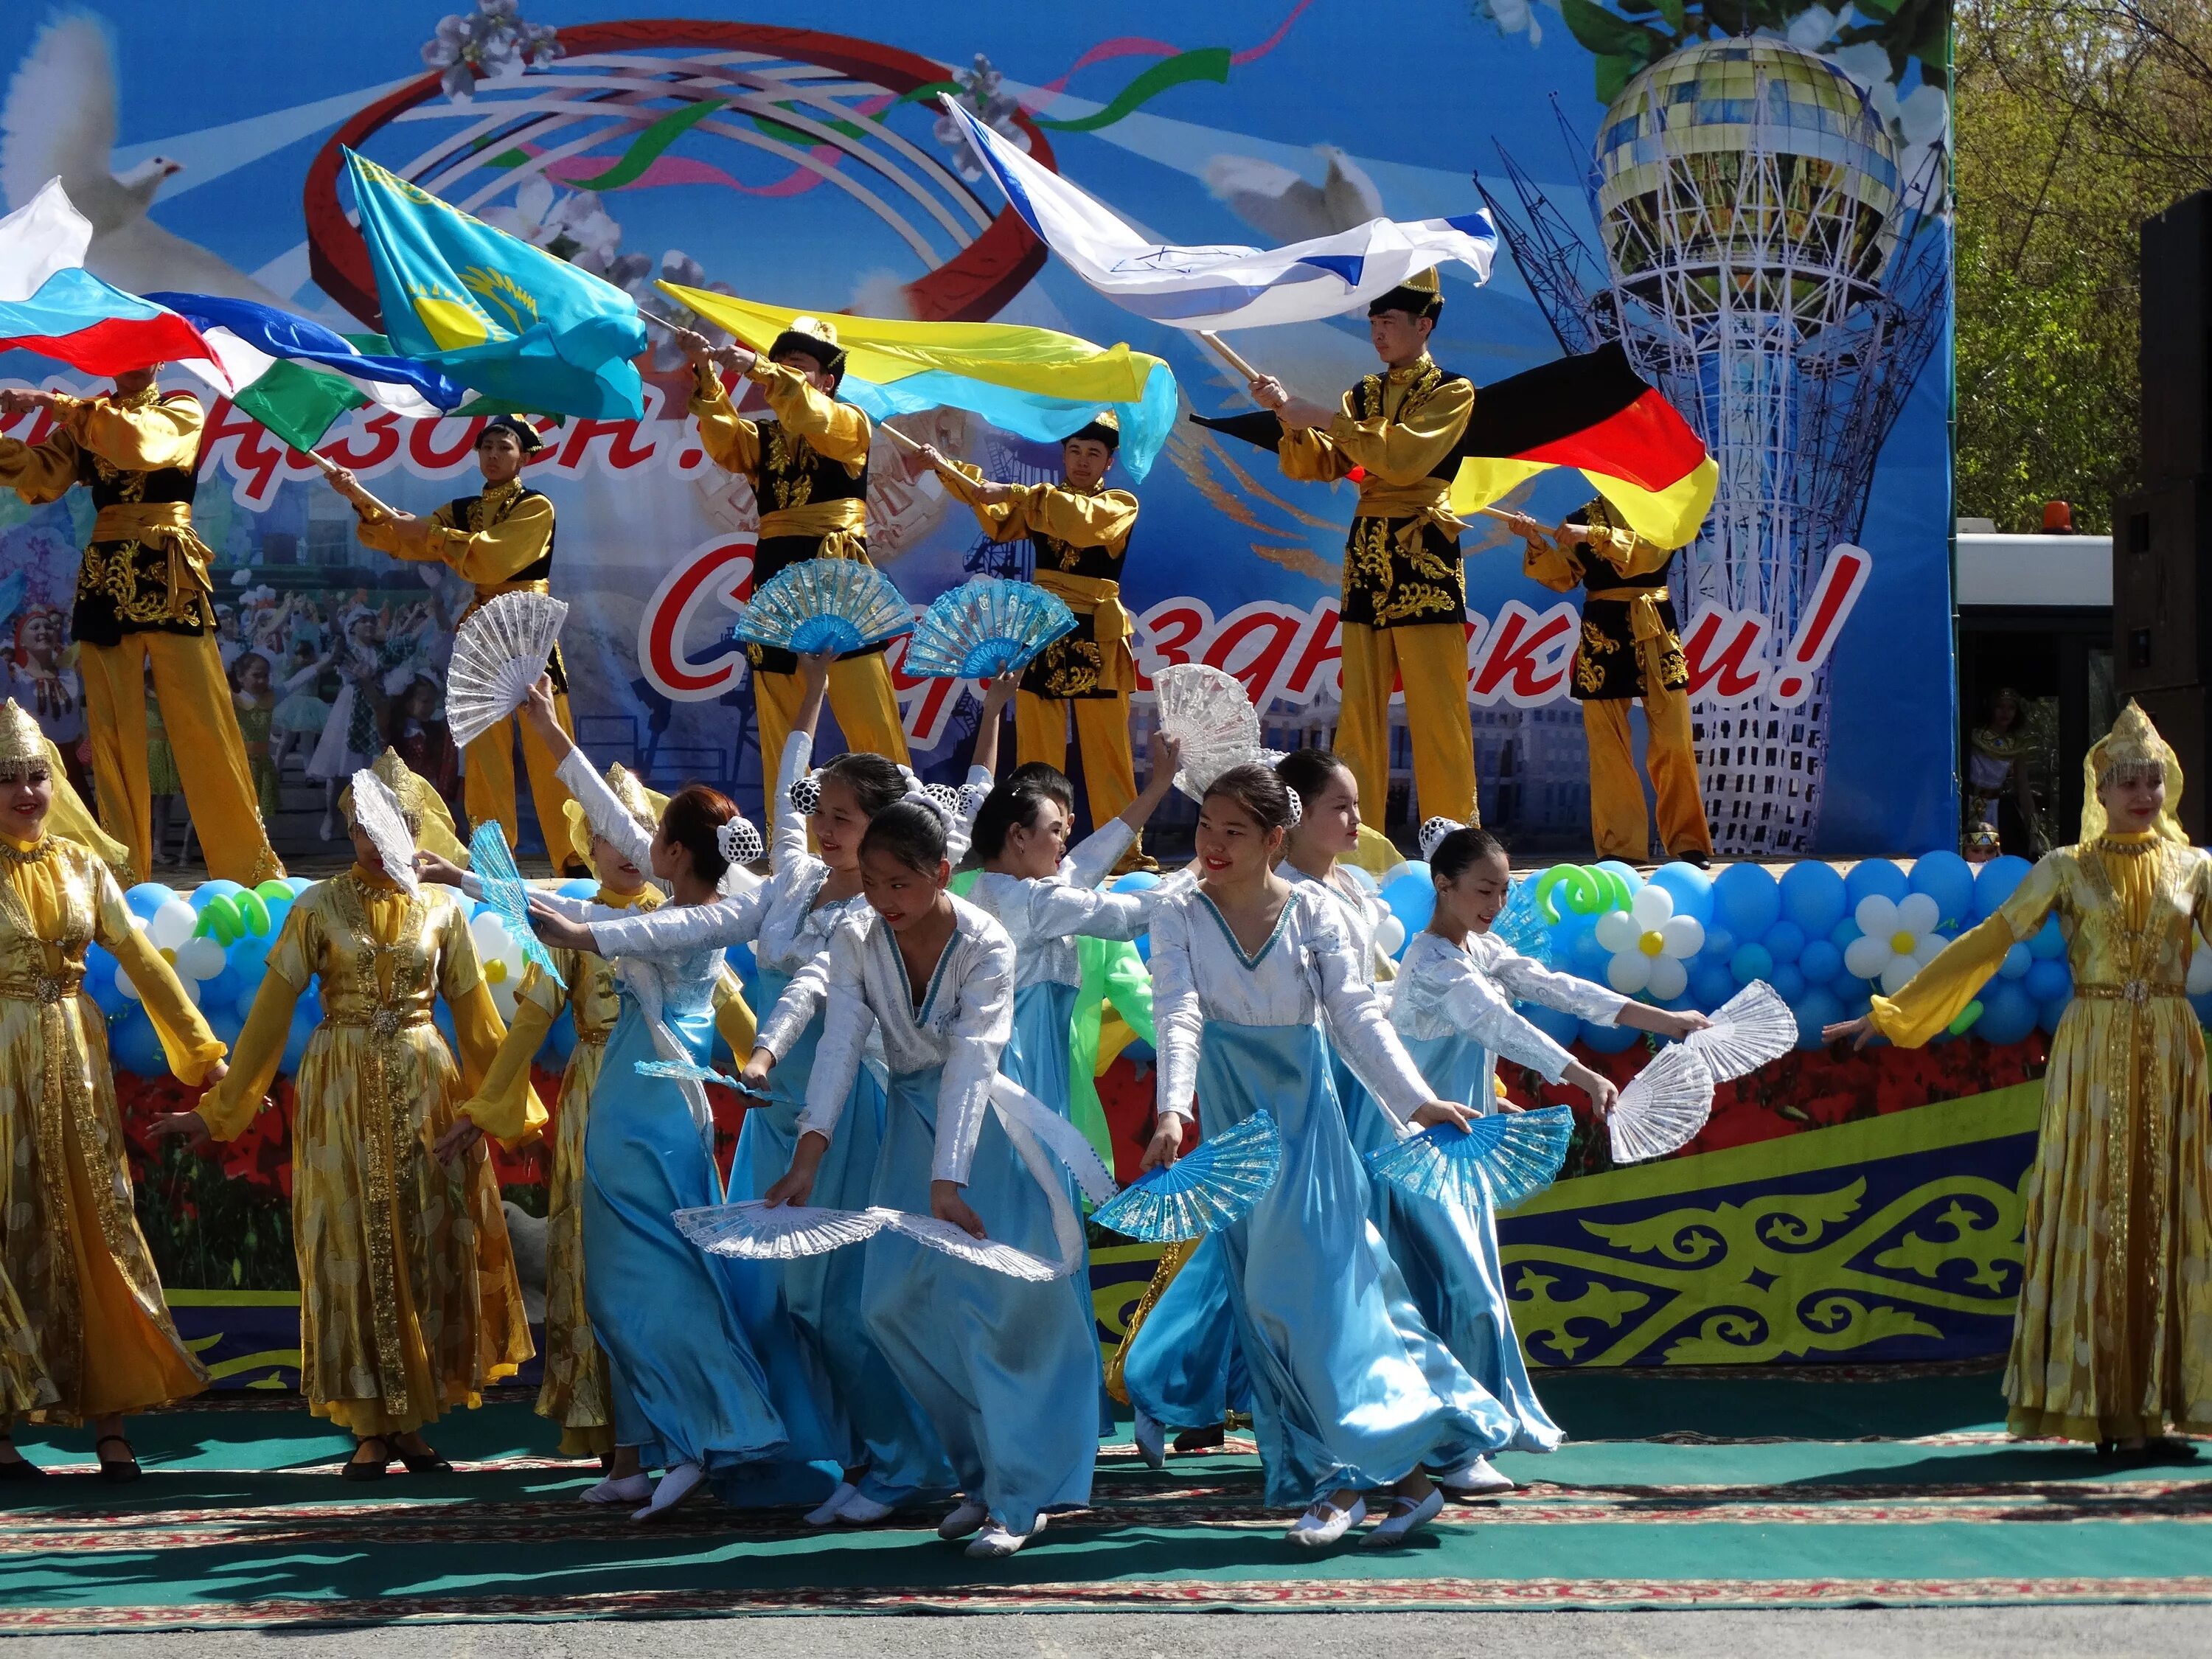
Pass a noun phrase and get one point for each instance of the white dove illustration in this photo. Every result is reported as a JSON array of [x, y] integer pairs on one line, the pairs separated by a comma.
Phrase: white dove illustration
[[1282, 206], [59, 121]]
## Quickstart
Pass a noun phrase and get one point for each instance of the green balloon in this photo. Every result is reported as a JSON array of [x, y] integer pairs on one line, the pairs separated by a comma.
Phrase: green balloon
[[276, 889], [220, 921], [1968, 1016], [252, 911]]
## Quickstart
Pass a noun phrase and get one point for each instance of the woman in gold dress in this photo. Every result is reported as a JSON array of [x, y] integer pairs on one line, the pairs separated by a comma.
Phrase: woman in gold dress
[[575, 1392], [409, 1302], [2113, 1341], [84, 1332]]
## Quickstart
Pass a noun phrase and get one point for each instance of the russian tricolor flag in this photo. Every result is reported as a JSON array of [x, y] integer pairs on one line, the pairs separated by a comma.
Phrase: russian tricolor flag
[[51, 305]]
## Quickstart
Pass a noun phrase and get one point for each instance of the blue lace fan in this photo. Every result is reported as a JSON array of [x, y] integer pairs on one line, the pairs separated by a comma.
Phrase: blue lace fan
[[1216, 1186], [504, 892], [985, 628], [824, 604], [1520, 924], [685, 1072], [1506, 1157]]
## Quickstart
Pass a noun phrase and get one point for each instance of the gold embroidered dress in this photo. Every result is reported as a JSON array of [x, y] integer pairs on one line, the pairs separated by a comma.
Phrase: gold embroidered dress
[[87, 1312], [2113, 1336], [409, 1302]]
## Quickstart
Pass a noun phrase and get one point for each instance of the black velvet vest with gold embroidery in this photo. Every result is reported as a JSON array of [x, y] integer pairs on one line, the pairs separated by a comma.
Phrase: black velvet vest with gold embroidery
[[1402, 572]]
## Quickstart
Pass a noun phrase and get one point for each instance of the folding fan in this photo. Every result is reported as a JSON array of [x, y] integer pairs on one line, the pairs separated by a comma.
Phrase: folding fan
[[499, 652], [503, 891], [683, 1071], [984, 628], [1751, 1027], [1505, 1157], [824, 604], [378, 814], [753, 1231], [1664, 1106], [1208, 714], [1520, 925], [1224, 1176]]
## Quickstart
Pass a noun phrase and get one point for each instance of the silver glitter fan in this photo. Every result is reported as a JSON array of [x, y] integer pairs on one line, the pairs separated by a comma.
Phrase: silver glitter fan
[[498, 654], [824, 604], [379, 815], [1751, 1027], [949, 1240], [984, 628], [1206, 712], [757, 1233], [1664, 1106]]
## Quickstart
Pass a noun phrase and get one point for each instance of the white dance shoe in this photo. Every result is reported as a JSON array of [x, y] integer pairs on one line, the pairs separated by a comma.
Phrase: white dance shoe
[[1475, 1479], [995, 1543], [1407, 1515], [1151, 1439], [860, 1510], [963, 1521], [630, 1489], [825, 1512], [1324, 1523], [675, 1486]]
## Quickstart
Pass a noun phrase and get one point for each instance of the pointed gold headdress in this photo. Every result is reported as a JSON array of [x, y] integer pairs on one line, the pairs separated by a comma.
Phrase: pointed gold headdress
[[642, 803], [23, 745], [25, 750], [427, 818], [2132, 746]]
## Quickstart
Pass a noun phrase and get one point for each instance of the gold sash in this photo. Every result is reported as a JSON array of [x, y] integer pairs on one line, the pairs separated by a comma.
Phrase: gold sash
[[842, 525], [1426, 501], [159, 524], [1645, 626]]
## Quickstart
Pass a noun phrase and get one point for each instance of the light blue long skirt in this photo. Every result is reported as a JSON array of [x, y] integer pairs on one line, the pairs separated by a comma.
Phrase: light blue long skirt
[[1037, 1059], [1350, 1386], [1449, 1256], [1004, 1369], [692, 1347], [1184, 1368], [821, 1294]]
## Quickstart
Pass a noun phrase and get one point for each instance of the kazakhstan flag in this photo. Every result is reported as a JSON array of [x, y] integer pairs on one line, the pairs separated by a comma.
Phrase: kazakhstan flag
[[522, 328]]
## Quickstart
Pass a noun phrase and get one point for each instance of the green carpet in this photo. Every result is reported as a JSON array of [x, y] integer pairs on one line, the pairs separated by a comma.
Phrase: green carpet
[[1674, 1491]]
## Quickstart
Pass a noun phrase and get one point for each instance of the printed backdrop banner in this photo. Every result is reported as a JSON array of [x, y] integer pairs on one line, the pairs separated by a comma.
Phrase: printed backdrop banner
[[1762, 221]]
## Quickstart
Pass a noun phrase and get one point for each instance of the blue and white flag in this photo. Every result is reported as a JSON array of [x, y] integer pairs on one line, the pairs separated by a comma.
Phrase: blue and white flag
[[1219, 288]]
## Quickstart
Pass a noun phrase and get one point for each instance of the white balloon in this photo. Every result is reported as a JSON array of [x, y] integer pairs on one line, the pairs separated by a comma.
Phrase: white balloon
[[172, 925], [1864, 958], [1682, 936], [1392, 874], [1391, 935], [1928, 949], [1669, 979], [2200, 969], [191, 988], [1629, 972], [1617, 930], [1876, 917], [1652, 907], [1919, 914], [198, 958], [1898, 975], [490, 933], [123, 983], [502, 997]]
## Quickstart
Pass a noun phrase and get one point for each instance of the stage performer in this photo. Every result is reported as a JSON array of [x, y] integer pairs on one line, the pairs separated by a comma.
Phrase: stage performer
[[1256, 989], [1404, 605], [84, 1332], [1631, 649], [1080, 532], [2112, 1339], [707, 1381], [409, 1302], [502, 540], [144, 608], [575, 1392], [808, 466]]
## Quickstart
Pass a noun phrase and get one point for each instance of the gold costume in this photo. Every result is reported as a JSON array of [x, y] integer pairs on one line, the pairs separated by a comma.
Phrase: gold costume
[[809, 470], [408, 1298], [575, 1393], [2113, 1336], [142, 606], [1082, 540], [1404, 604], [1631, 647], [502, 540], [84, 1331]]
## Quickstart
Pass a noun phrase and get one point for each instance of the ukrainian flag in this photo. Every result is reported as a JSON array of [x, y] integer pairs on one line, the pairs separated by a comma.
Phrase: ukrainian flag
[[1032, 382], [523, 330]]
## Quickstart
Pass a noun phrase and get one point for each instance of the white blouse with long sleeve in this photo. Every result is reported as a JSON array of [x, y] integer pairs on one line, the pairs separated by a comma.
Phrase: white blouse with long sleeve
[[962, 1019], [1308, 969], [1045, 917], [1446, 990], [1363, 914]]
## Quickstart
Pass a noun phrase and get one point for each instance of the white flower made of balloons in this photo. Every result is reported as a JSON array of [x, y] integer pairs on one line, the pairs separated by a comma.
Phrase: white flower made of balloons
[[1899, 938], [2200, 965], [1650, 945], [502, 958], [171, 932]]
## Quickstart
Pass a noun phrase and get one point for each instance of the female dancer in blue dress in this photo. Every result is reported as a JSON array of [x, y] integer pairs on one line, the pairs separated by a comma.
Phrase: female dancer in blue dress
[[996, 1361], [1353, 1392], [691, 1391]]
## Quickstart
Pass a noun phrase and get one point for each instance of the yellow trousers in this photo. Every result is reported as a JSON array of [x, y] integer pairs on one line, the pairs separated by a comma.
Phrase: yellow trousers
[[860, 696], [1102, 730], [487, 783], [1617, 824], [1431, 659], [202, 723]]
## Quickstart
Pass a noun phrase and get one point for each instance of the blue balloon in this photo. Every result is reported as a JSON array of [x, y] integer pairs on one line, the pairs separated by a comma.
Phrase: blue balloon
[[1562, 1028], [2202, 1005], [2048, 981], [2017, 961], [581, 887], [244, 1007], [1812, 897], [1719, 946], [2008, 1014], [741, 959], [1788, 982], [250, 955], [1589, 956], [1821, 962], [2048, 1015], [442, 1018], [1874, 876], [1950, 880], [1691, 888], [1711, 985], [1627, 872], [1145, 944], [2048, 941], [147, 898], [223, 1019], [1136, 881], [561, 1040], [1816, 1009], [226, 988], [1785, 940], [99, 981], [136, 1048], [278, 909], [1746, 899], [1751, 962], [207, 891], [305, 1018], [1609, 1039], [1996, 883], [1411, 899], [1844, 932]]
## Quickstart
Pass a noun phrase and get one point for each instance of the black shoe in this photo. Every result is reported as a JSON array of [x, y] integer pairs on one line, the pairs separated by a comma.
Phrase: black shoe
[[21, 1470], [427, 1463], [117, 1469], [357, 1468], [1695, 856]]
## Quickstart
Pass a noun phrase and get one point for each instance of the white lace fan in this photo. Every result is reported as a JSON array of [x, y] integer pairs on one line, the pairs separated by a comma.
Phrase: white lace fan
[[379, 815], [1206, 712], [1751, 1027], [753, 1231], [498, 654], [1664, 1106]]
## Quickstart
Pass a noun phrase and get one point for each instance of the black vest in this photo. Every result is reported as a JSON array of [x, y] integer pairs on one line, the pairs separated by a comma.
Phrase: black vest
[[793, 473], [467, 513]]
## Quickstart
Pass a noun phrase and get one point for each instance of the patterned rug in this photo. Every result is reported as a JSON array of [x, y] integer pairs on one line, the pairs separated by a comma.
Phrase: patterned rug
[[1674, 1493]]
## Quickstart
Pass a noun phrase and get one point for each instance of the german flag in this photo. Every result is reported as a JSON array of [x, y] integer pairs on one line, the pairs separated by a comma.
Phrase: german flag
[[1593, 413]]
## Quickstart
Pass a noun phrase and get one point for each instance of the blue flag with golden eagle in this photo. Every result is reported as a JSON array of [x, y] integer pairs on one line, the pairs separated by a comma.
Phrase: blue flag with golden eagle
[[523, 330]]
